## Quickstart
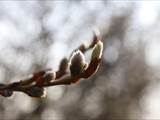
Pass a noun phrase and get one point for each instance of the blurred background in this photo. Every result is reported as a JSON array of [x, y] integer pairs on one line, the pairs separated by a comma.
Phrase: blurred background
[[36, 35]]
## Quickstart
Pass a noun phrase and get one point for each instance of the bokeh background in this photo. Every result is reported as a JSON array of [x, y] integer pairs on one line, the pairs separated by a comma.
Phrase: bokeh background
[[36, 35]]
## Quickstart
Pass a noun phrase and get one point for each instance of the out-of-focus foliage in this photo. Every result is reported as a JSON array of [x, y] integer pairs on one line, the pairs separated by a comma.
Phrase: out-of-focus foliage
[[35, 35]]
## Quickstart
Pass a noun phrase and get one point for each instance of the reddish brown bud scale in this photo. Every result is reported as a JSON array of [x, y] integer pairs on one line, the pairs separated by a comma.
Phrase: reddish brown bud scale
[[92, 68], [40, 81], [37, 76], [45, 78], [75, 79]]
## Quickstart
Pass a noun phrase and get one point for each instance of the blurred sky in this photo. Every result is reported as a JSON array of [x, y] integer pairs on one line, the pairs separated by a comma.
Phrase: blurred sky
[[145, 16], [69, 22]]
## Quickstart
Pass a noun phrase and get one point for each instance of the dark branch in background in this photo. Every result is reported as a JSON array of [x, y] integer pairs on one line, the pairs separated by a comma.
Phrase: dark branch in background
[[70, 71]]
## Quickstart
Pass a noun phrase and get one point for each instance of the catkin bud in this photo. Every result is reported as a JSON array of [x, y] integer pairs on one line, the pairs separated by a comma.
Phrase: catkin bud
[[77, 63], [49, 76], [63, 65], [36, 92], [5, 93], [95, 60], [97, 50]]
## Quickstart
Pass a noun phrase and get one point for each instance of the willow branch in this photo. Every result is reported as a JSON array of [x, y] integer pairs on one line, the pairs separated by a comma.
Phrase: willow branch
[[78, 69]]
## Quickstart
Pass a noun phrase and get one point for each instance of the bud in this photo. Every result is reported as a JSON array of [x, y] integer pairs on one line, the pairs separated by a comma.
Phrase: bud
[[63, 65], [5, 93], [36, 92], [49, 76], [97, 50], [95, 60], [77, 63]]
